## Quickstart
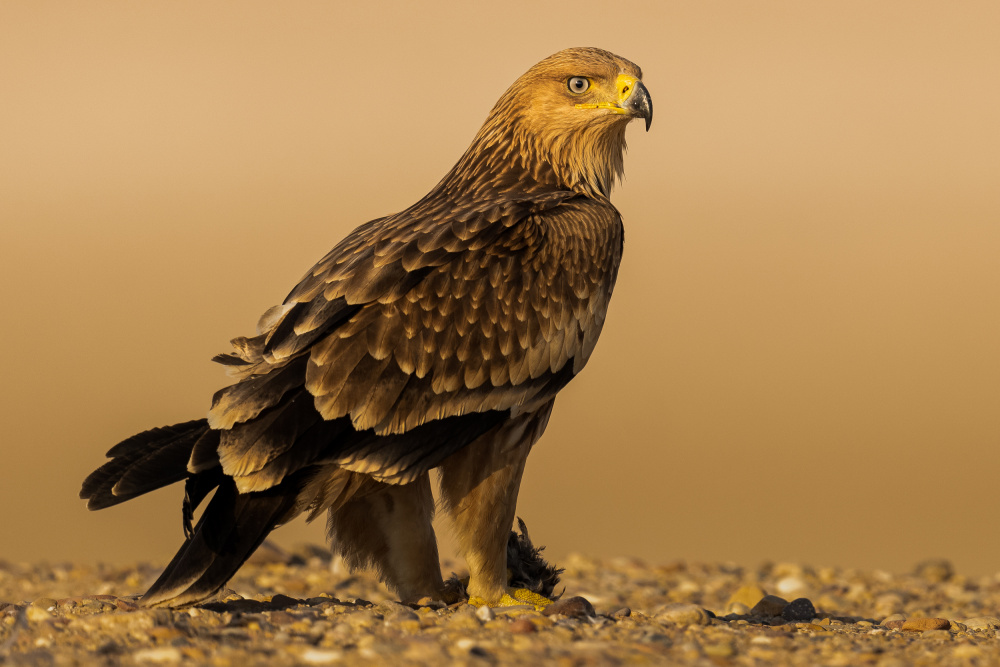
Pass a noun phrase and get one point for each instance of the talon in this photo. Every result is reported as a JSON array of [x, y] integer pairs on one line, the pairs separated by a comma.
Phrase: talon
[[514, 597]]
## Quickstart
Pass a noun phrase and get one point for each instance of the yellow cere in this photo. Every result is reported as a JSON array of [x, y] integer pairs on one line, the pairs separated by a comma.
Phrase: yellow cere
[[624, 85]]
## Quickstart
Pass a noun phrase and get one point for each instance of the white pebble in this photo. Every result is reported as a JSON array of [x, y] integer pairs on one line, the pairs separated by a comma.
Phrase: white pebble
[[315, 656], [789, 585], [164, 654]]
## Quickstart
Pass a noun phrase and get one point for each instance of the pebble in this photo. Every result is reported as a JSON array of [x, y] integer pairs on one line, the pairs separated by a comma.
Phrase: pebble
[[279, 601], [126, 605], [982, 623], [790, 585], [523, 626], [924, 624], [770, 606], [315, 656], [574, 607], [893, 621], [265, 623], [395, 612], [159, 655], [485, 614], [747, 595], [738, 609], [37, 614], [683, 614], [48, 604], [800, 609], [936, 570], [720, 650]]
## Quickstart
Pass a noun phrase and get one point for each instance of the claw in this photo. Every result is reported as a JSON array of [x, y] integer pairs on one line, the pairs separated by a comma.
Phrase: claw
[[514, 597]]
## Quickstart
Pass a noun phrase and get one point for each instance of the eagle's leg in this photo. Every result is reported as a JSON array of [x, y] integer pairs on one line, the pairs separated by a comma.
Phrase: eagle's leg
[[479, 486], [390, 531]]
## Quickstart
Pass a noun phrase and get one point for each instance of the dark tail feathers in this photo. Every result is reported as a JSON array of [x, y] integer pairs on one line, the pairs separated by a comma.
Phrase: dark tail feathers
[[143, 463], [233, 525]]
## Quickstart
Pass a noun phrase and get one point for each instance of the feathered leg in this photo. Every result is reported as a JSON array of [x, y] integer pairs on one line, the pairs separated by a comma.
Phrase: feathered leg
[[479, 486], [389, 530]]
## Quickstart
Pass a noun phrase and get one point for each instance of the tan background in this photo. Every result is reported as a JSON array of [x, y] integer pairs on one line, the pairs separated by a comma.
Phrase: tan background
[[802, 360]]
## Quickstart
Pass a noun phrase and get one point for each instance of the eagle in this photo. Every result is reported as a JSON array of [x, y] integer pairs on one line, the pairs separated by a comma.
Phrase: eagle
[[433, 339]]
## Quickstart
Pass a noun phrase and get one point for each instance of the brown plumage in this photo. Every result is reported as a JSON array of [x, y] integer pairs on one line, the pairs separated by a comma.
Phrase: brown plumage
[[437, 337]]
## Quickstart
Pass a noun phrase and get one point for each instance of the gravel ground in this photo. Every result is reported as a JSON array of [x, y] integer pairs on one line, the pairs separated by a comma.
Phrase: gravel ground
[[297, 608]]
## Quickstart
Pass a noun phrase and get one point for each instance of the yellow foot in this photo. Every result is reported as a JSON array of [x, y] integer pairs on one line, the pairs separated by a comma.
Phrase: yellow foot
[[514, 597]]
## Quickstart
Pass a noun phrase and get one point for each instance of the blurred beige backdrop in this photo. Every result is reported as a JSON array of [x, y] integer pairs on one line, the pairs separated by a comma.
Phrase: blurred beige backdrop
[[802, 360]]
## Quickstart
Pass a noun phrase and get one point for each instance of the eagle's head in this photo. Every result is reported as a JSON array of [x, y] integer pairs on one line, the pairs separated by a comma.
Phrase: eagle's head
[[565, 118]]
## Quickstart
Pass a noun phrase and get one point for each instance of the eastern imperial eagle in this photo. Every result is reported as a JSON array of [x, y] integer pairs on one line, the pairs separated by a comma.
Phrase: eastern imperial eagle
[[437, 337]]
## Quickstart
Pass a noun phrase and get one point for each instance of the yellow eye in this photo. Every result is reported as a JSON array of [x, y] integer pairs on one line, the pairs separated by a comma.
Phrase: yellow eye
[[578, 85]]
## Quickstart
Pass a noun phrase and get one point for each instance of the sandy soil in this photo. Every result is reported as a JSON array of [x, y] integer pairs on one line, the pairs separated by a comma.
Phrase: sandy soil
[[299, 608]]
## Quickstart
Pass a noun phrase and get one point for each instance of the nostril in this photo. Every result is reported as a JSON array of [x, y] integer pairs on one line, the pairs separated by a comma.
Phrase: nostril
[[625, 90]]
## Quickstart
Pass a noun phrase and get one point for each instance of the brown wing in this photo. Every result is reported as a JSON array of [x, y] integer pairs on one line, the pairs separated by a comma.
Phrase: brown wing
[[404, 324]]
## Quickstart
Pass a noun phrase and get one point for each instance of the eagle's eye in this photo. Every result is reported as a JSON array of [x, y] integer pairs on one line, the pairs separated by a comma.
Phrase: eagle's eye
[[578, 84]]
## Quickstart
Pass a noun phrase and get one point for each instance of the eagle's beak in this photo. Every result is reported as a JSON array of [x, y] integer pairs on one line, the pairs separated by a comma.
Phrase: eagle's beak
[[634, 98]]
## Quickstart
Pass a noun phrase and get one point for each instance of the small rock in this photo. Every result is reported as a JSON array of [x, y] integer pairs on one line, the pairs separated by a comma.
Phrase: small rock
[[513, 609], [982, 622], [813, 627], [523, 626], [893, 622], [720, 650], [790, 585], [935, 570], [624, 612], [48, 604], [158, 655], [738, 609], [800, 609], [126, 605], [683, 614], [395, 612], [574, 607], [37, 614], [485, 614], [748, 595], [282, 618], [769, 607], [281, 601], [315, 656], [925, 624], [428, 601], [889, 603], [936, 634]]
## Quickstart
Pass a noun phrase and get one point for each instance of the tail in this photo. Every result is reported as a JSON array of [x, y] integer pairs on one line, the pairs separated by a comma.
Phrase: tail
[[231, 527], [143, 463]]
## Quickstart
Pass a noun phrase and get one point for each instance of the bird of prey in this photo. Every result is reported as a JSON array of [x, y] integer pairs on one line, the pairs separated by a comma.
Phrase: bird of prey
[[435, 338]]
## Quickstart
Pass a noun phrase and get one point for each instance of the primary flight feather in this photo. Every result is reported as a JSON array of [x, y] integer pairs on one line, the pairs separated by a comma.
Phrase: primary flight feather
[[435, 338]]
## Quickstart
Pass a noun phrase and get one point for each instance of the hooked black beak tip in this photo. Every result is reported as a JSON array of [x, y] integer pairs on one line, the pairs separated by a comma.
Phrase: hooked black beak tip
[[641, 104]]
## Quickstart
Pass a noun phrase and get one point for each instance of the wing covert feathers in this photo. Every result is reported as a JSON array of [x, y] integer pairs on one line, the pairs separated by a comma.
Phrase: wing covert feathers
[[479, 326]]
